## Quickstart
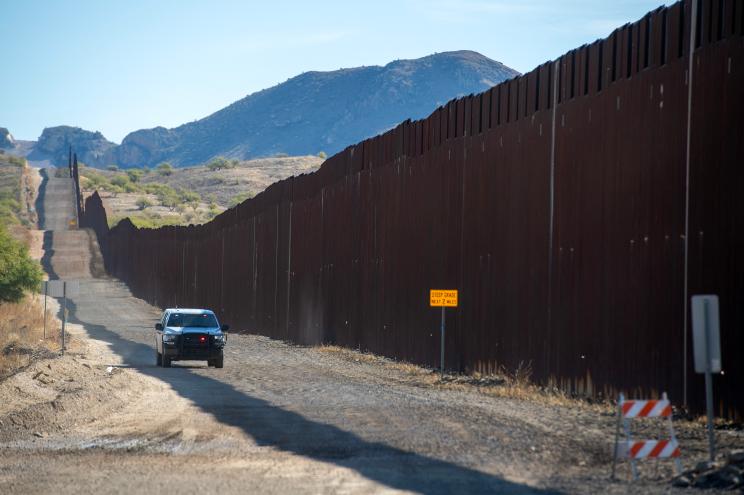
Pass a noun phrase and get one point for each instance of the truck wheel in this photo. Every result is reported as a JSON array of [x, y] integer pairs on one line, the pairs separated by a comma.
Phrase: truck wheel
[[158, 359], [166, 362], [220, 361]]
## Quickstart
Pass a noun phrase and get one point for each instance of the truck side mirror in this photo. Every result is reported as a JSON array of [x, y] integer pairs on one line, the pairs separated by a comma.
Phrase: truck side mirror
[[158, 326], [225, 328]]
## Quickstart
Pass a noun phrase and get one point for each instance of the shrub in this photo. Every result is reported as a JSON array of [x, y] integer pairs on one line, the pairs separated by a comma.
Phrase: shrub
[[191, 198], [239, 198], [322, 155], [169, 199], [120, 180], [143, 203], [18, 272], [221, 162], [114, 190], [165, 169], [134, 174], [112, 168]]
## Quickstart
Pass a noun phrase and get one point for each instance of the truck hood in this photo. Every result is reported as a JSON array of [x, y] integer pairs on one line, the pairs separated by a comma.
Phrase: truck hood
[[182, 330]]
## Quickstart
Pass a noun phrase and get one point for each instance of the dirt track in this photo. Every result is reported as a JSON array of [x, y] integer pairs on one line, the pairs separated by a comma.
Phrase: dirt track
[[277, 419]]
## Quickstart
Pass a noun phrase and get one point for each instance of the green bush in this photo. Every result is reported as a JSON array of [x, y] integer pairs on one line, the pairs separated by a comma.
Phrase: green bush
[[143, 203], [239, 198], [169, 198], [134, 174], [190, 198], [115, 190], [165, 169], [18, 272], [120, 180], [218, 163], [112, 168]]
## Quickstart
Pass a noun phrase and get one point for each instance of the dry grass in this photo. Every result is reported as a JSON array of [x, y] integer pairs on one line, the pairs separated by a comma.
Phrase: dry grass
[[515, 384], [22, 334]]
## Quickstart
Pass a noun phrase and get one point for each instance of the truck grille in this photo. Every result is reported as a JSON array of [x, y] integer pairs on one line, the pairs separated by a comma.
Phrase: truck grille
[[195, 340]]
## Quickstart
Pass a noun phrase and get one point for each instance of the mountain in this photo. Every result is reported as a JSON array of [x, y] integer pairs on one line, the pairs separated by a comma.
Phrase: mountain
[[318, 111], [309, 113], [55, 143], [6, 139]]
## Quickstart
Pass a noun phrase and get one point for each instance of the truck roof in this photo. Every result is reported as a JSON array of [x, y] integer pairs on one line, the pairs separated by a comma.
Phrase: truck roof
[[190, 311]]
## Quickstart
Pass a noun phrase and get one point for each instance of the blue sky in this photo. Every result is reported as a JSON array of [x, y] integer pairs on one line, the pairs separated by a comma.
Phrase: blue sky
[[126, 65]]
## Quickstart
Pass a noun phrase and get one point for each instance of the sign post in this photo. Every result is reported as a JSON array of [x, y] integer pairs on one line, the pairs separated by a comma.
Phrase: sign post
[[64, 313], [707, 349], [444, 299], [63, 289], [46, 290]]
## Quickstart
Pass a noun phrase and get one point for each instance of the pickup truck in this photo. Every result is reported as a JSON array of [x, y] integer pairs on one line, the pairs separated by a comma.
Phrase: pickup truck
[[189, 334]]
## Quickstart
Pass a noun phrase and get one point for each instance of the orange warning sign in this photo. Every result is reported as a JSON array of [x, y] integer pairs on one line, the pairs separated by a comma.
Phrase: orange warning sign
[[446, 298]]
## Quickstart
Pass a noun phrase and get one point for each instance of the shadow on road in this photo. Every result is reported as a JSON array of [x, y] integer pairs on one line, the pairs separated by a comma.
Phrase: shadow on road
[[273, 426]]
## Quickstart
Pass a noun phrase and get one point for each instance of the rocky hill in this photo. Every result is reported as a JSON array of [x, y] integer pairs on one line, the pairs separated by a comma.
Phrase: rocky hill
[[6, 139], [318, 111], [91, 147], [312, 112]]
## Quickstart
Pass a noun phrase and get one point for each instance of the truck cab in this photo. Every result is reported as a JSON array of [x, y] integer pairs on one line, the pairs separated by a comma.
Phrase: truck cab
[[189, 334]]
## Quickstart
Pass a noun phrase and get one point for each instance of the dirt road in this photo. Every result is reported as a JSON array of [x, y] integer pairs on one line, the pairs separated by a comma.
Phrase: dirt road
[[277, 419]]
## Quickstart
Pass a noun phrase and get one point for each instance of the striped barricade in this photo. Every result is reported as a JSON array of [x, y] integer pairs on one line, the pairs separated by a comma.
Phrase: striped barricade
[[641, 449], [647, 408], [644, 449]]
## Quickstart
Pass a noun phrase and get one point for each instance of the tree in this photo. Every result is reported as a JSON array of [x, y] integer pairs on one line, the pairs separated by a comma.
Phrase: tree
[[85, 184], [100, 182], [114, 190], [218, 163], [18, 272], [120, 180], [123, 182], [143, 203], [191, 198], [134, 174], [169, 199], [165, 169]]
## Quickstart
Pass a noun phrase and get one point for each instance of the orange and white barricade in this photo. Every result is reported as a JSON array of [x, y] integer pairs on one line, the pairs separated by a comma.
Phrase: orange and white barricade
[[641, 449]]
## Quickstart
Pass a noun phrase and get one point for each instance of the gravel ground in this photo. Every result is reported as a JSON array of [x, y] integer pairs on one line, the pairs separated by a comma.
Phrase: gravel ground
[[281, 418]]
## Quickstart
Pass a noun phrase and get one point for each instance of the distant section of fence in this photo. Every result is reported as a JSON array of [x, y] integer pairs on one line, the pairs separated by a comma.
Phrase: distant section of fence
[[570, 206]]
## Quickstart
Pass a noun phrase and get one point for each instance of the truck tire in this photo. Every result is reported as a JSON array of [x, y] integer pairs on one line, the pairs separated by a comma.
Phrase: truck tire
[[220, 361], [166, 362], [158, 359]]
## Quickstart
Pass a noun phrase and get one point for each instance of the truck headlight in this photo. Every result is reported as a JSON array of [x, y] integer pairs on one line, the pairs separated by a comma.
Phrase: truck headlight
[[219, 339], [169, 338]]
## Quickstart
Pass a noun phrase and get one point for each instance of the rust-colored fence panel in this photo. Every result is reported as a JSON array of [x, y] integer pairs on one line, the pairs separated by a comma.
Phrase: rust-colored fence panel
[[556, 202]]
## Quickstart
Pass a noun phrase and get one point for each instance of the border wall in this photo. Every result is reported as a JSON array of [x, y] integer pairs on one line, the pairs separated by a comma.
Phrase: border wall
[[576, 208]]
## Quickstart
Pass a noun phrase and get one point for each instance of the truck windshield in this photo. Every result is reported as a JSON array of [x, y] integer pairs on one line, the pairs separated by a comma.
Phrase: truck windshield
[[191, 320]]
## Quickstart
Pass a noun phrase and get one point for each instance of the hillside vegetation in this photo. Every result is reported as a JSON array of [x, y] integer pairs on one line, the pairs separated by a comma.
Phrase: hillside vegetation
[[166, 195], [18, 272]]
